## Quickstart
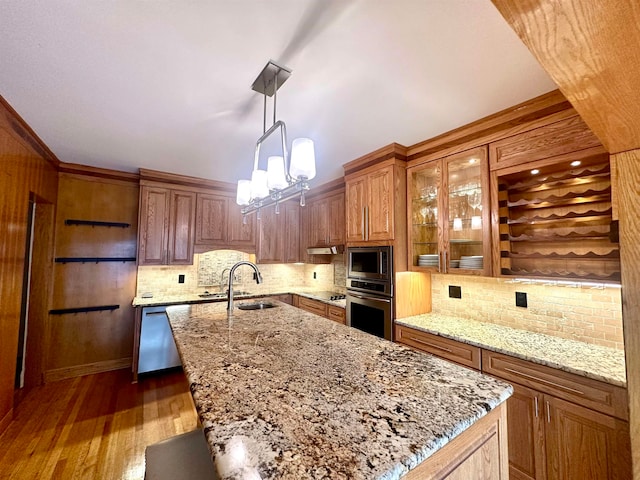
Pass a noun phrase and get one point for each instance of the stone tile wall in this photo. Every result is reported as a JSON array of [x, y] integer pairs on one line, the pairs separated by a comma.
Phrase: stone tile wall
[[591, 314]]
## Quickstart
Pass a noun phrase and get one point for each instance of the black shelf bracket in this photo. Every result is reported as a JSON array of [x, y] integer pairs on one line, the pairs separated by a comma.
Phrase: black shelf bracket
[[63, 311], [94, 259], [95, 223]]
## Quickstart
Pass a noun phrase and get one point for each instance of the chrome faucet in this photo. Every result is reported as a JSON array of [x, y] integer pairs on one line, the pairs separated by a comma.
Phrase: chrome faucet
[[222, 279], [230, 291]]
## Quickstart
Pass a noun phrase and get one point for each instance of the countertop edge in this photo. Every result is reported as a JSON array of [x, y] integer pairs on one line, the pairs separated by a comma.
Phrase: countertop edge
[[533, 359]]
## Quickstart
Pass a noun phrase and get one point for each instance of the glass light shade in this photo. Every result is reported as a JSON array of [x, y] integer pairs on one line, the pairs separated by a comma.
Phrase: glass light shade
[[457, 224], [303, 159], [276, 178], [476, 222], [259, 188], [243, 196]]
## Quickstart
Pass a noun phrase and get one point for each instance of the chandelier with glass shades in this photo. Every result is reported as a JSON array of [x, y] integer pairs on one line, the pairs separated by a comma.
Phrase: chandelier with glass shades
[[287, 175]]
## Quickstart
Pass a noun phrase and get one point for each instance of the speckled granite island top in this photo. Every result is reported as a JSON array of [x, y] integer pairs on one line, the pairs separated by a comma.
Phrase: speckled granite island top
[[600, 363], [285, 394]]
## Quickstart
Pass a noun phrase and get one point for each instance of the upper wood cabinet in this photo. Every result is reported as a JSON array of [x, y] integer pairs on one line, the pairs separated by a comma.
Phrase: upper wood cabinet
[[219, 223], [448, 213], [327, 221], [167, 226], [376, 197], [279, 234]]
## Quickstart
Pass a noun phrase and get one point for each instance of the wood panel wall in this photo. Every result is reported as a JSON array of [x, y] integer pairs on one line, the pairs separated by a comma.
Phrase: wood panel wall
[[27, 169], [82, 343], [628, 188]]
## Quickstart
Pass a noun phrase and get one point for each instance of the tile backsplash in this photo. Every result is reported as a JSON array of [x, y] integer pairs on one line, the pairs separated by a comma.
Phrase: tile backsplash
[[584, 313], [205, 273]]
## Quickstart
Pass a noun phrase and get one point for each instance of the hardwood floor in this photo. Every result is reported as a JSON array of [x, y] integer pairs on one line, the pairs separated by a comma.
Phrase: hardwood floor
[[94, 427]]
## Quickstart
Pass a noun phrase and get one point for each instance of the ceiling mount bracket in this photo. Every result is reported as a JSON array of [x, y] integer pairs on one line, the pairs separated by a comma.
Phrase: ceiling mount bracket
[[270, 79]]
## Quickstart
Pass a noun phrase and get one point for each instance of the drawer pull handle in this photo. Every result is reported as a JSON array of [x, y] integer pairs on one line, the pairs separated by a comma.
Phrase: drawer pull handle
[[438, 347], [548, 413], [538, 379], [535, 399]]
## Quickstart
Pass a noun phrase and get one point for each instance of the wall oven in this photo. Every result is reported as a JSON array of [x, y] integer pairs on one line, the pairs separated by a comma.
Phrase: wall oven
[[370, 290]]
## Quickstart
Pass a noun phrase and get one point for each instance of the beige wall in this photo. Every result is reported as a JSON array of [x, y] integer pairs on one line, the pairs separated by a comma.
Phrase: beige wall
[[588, 314]]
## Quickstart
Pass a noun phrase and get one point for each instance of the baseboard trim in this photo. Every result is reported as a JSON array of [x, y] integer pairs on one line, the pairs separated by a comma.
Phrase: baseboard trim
[[86, 369], [6, 420]]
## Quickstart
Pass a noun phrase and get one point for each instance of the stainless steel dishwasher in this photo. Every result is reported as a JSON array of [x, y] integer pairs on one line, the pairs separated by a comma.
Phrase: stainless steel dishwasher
[[157, 347]]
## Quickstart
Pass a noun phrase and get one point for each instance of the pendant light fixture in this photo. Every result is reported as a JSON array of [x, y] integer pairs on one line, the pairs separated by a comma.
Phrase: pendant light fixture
[[286, 175]]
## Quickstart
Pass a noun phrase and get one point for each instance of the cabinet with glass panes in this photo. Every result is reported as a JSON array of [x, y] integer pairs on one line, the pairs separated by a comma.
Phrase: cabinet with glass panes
[[449, 215]]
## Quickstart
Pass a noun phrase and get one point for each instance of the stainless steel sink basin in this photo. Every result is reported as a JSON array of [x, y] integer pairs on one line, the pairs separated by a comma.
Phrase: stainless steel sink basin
[[256, 306]]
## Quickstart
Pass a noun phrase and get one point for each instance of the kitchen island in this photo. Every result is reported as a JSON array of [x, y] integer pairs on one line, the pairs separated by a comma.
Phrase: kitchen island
[[282, 393]]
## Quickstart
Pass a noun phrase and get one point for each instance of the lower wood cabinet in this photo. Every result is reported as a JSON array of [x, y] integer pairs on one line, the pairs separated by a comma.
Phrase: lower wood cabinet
[[332, 312], [458, 352], [561, 426]]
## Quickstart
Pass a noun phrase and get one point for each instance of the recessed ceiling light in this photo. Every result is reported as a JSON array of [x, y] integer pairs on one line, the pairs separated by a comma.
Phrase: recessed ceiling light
[[575, 163], [535, 171]]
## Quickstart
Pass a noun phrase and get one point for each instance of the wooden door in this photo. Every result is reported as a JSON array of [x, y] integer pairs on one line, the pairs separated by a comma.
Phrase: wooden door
[[154, 225], [585, 444], [211, 219], [181, 227], [270, 248], [336, 219], [320, 223], [240, 233], [526, 434], [355, 196], [380, 201], [291, 214]]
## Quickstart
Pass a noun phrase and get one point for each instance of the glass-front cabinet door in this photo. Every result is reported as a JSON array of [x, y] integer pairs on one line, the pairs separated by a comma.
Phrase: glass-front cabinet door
[[449, 214]]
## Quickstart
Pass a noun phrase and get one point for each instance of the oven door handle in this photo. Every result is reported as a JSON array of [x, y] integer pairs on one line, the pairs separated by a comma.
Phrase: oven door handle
[[375, 299]]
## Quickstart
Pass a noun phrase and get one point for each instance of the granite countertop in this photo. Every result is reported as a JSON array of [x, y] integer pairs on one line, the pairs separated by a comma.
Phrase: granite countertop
[[191, 298], [593, 361], [283, 393]]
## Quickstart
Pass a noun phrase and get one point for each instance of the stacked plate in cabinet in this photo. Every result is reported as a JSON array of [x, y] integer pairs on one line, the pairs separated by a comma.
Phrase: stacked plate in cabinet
[[473, 262], [428, 260]]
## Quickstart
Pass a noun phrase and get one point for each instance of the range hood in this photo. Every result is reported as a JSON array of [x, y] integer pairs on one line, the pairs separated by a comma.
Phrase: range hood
[[333, 250]]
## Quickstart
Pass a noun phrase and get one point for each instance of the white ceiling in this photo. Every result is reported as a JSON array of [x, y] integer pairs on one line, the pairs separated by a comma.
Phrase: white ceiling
[[165, 85]]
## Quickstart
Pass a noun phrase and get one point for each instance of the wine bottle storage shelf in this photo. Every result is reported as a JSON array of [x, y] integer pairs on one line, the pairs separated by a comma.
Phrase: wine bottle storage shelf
[[558, 224]]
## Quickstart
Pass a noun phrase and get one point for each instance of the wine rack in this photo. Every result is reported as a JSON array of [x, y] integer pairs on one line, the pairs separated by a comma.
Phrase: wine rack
[[556, 222]]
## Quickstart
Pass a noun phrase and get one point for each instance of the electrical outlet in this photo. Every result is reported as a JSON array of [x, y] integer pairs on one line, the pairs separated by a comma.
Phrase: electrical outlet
[[521, 299], [455, 291], [314, 275], [181, 278]]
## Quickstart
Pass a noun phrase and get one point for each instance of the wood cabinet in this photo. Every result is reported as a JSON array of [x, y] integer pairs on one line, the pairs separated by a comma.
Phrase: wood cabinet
[[332, 312], [313, 306], [337, 314], [448, 213], [375, 197], [279, 234], [220, 224], [561, 425], [370, 212], [327, 221], [167, 226], [569, 427], [458, 352]]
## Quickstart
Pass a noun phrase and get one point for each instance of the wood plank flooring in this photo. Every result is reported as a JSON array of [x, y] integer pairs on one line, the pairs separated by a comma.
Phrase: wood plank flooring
[[94, 427]]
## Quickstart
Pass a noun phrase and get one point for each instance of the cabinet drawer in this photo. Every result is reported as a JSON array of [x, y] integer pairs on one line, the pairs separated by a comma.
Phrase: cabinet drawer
[[336, 314], [313, 306], [458, 352], [599, 396]]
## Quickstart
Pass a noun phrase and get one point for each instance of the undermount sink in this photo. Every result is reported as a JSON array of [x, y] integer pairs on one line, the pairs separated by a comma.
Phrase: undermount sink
[[256, 306]]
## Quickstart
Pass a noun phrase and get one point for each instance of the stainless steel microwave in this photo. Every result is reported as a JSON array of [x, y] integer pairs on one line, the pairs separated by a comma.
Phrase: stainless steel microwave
[[371, 263]]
